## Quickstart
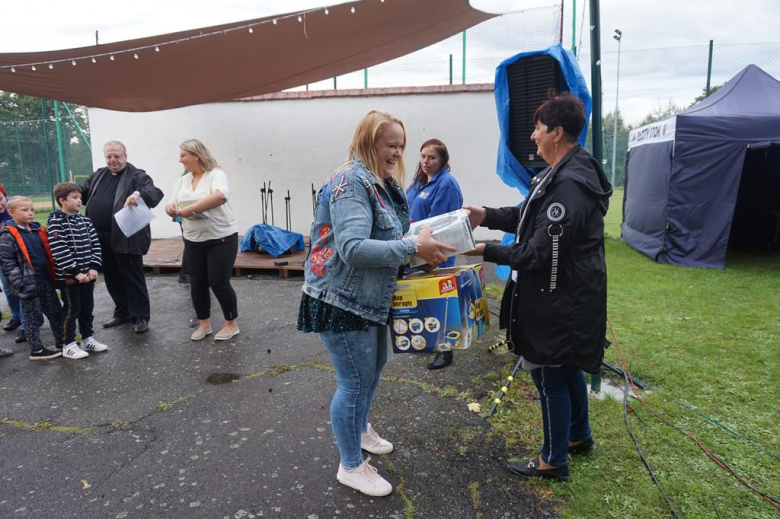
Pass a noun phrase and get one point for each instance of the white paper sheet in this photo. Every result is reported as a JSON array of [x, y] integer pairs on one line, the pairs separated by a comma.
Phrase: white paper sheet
[[133, 218]]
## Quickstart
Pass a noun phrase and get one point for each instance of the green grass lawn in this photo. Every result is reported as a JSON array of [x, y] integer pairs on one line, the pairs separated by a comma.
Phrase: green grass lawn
[[704, 338]]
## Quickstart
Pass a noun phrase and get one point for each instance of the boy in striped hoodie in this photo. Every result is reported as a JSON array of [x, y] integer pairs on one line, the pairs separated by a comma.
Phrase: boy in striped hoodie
[[76, 251]]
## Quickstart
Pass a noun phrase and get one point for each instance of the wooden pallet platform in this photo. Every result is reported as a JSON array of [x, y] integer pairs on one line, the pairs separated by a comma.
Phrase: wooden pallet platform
[[166, 254]]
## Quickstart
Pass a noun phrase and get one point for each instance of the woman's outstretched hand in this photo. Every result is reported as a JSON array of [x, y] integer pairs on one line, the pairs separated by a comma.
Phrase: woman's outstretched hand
[[476, 215], [478, 251], [431, 250]]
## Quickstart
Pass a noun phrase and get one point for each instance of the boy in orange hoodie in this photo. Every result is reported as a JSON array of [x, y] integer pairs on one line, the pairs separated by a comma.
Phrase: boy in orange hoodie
[[28, 264]]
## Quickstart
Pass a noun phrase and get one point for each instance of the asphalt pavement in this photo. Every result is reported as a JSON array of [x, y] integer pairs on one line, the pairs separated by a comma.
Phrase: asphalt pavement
[[160, 426]]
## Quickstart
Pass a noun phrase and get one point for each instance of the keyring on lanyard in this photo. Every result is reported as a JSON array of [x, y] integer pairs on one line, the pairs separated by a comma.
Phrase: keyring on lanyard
[[554, 268]]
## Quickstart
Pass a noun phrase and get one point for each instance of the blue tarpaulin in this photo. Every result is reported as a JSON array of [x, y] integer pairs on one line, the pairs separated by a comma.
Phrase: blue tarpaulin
[[273, 240], [508, 167]]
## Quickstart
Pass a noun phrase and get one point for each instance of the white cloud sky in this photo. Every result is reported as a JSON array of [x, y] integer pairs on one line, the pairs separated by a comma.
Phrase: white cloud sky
[[38, 25]]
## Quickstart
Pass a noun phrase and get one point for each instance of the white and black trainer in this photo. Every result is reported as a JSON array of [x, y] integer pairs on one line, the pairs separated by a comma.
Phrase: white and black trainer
[[92, 344], [72, 351]]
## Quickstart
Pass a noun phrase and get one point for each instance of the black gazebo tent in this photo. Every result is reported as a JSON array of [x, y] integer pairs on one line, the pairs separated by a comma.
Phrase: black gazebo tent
[[708, 176]]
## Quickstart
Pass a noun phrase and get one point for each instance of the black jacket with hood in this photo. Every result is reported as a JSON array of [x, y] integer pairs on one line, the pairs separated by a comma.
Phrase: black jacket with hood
[[15, 260], [556, 311], [132, 179]]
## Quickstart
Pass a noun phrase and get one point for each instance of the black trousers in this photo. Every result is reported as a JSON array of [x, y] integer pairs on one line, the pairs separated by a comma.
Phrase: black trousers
[[47, 303], [78, 302], [210, 264], [125, 281]]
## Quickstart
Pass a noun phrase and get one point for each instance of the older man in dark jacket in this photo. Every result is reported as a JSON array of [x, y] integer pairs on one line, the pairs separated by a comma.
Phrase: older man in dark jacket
[[106, 192]]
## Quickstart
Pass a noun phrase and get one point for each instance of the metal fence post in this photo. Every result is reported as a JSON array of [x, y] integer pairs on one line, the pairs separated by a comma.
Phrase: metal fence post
[[60, 151], [21, 157], [709, 70], [595, 382], [464, 57], [365, 77], [450, 69], [78, 127], [574, 27], [48, 151], [595, 79]]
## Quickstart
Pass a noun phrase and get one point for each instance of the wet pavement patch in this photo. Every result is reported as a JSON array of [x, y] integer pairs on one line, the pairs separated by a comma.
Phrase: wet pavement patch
[[221, 378]]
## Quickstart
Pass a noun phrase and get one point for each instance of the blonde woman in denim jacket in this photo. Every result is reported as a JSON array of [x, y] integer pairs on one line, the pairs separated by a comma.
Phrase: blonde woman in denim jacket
[[357, 247]]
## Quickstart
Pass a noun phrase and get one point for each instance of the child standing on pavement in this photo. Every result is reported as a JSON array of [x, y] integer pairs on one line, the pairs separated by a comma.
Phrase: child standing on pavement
[[29, 267], [76, 251]]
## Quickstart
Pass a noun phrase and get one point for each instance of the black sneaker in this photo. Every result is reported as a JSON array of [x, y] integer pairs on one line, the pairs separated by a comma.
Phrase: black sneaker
[[20, 338], [12, 325], [44, 354]]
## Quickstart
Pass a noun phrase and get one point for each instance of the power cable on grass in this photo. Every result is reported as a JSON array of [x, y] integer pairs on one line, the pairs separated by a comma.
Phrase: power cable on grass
[[627, 377]]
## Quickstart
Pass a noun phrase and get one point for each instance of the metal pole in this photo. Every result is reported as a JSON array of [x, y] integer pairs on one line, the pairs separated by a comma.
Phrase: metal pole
[[574, 26], [61, 152], [450, 69], [595, 382], [595, 79], [78, 127], [21, 156], [618, 35], [48, 151], [560, 34], [365, 77], [709, 70], [335, 86], [464, 57]]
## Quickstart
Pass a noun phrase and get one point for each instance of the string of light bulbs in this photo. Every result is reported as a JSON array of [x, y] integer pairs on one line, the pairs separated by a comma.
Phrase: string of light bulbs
[[250, 28], [27, 122]]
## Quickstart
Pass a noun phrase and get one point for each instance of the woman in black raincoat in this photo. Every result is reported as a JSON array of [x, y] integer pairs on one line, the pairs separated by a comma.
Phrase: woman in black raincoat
[[555, 304]]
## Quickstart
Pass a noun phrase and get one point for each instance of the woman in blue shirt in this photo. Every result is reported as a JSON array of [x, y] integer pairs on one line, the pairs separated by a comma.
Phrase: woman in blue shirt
[[434, 191]]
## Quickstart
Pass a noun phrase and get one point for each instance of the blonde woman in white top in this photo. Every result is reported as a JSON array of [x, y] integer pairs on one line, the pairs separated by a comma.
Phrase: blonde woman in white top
[[202, 198]]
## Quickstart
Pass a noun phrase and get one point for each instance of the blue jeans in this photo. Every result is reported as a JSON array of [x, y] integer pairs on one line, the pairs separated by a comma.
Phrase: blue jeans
[[563, 394], [358, 358], [13, 301]]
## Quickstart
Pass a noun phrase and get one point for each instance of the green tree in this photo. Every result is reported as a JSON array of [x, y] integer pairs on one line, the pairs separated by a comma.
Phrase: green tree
[[608, 124], [660, 112], [29, 158], [703, 95]]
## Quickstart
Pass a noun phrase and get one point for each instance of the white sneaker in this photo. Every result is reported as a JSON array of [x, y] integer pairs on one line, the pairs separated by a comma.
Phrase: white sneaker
[[72, 351], [373, 443], [92, 344], [364, 479]]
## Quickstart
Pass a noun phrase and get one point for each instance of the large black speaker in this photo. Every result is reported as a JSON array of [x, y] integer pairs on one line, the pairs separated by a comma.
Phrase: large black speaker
[[529, 80]]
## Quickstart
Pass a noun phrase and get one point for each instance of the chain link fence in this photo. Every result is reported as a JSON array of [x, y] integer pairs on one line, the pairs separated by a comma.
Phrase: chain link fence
[[37, 151]]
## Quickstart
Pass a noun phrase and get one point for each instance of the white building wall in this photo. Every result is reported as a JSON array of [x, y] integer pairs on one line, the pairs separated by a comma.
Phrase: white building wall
[[293, 143]]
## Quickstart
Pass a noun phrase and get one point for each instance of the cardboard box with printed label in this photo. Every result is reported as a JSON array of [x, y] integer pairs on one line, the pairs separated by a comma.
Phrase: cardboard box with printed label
[[437, 311]]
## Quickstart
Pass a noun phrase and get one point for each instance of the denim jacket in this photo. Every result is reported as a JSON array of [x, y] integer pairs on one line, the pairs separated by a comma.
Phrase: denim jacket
[[356, 244]]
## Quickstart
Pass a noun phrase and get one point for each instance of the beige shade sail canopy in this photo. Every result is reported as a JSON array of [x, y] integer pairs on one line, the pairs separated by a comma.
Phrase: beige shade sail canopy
[[237, 60]]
